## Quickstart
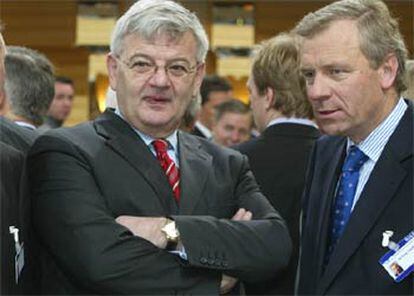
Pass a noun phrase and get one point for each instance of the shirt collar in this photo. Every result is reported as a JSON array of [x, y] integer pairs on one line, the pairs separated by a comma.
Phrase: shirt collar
[[303, 121], [25, 124], [172, 138], [204, 130], [374, 144]]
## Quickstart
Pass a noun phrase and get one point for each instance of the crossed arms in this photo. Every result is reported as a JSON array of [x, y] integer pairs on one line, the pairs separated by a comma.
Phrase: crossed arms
[[75, 219]]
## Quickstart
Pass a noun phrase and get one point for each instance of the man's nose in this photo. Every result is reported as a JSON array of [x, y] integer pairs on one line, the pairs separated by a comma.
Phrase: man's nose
[[319, 89], [68, 102], [160, 77], [235, 137]]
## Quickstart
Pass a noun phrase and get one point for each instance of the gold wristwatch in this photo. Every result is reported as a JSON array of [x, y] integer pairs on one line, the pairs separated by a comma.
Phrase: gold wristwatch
[[171, 234]]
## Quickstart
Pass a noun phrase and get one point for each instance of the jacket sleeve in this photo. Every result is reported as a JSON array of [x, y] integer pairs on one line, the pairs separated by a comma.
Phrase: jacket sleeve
[[78, 230], [249, 250]]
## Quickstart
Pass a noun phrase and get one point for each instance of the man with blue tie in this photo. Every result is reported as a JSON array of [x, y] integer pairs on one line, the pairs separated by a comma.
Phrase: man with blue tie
[[360, 179]]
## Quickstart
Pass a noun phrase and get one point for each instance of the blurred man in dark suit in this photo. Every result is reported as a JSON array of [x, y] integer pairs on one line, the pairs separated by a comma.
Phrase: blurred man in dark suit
[[214, 90], [29, 86], [11, 166], [278, 157], [61, 105]]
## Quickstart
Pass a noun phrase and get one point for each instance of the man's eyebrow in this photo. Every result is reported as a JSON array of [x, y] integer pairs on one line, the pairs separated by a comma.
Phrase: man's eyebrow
[[142, 55]]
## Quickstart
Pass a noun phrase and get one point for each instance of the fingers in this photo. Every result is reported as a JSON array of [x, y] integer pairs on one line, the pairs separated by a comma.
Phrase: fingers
[[242, 215], [247, 216], [122, 220], [227, 283]]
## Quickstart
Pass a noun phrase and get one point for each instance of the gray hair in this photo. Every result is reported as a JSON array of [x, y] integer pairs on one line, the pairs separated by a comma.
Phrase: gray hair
[[149, 18], [29, 83], [379, 33], [190, 114]]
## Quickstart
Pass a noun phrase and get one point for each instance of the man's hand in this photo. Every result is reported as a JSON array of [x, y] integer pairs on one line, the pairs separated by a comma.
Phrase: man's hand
[[228, 282], [148, 228], [242, 215]]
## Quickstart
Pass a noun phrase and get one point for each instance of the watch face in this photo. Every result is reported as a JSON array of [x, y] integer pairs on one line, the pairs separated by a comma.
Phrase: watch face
[[171, 231]]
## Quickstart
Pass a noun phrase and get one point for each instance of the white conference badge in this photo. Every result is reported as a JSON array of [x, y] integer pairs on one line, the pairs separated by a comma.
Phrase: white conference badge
[[19, 257], [399, 260]]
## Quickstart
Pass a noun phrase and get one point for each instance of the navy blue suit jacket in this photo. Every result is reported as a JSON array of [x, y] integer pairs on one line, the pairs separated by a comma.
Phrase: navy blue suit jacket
[[386, 203]]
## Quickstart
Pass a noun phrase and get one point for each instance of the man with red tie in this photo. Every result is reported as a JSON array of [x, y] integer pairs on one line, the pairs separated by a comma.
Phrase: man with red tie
[[127, 204]]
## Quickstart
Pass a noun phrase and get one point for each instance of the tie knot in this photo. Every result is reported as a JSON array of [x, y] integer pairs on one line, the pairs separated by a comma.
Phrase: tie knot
[[354, 160], [160, 145]]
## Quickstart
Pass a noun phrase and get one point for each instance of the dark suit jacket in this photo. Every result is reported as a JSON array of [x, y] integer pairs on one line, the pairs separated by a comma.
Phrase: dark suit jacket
[[386, 203], [16, 136], [21, 139], [84, 177], [278, 159], [11, 166]]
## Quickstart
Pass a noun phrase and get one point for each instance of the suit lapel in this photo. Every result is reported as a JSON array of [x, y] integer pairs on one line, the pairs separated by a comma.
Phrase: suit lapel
[[124, 141], [388, 173], [195, 165], [330, 169]]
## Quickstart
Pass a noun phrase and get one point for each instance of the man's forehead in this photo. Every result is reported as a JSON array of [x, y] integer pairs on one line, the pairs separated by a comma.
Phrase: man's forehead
[[134, 40]]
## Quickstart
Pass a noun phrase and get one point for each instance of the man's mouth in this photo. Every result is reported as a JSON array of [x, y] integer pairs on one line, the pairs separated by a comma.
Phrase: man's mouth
[[157, 99], [325, 113]]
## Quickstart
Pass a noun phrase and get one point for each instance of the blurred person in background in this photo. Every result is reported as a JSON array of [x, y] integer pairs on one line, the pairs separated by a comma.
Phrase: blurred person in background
[[214, 90], [232, 124], [14, 142], [190, 115], [28, 91], [409, 68], [61, 106], [279, 156], [29, 86]]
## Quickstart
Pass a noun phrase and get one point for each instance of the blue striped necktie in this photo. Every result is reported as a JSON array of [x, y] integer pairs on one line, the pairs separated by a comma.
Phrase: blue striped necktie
[[345, 194]]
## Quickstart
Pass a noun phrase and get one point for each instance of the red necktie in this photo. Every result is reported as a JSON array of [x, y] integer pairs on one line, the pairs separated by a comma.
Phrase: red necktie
[[168, 166]]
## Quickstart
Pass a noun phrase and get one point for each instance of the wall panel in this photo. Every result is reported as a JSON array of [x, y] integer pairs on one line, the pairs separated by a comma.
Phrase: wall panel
[[273, 17], [39, 23]]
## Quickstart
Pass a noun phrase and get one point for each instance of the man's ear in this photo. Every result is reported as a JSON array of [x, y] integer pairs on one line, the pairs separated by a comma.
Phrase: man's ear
[[2, 102], [112, 67], [269, 98], [388, 71], [198, 79]]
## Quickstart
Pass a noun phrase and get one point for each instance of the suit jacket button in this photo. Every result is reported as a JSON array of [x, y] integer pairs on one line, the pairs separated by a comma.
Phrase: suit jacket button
[[203, 260]]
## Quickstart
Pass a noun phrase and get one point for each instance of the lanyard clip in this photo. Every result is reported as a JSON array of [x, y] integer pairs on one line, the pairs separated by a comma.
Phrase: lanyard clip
[[387, 242], [15, 232]]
